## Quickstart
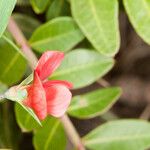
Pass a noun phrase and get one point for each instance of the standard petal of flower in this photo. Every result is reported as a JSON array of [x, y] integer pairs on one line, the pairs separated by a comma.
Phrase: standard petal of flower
[[48, 63], [58, 99], [58, 82], [37, 98]]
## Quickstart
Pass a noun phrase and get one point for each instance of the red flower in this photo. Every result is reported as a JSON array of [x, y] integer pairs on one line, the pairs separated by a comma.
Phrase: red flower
[[48, 97]]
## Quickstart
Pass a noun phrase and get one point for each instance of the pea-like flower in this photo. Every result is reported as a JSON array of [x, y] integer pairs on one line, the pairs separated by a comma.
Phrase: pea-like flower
[[48, 97]]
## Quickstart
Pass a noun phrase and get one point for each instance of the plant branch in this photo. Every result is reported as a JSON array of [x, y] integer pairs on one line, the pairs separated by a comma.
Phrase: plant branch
[[21, 40], [103, 82], [146, 113], [74, 135]]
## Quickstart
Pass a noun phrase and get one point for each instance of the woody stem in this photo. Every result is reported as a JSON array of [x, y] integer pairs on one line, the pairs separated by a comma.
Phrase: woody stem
[[32, 60]]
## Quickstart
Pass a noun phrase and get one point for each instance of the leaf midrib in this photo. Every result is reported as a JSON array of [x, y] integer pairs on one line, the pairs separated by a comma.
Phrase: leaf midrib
[[55, 126], [80, 67], [98, 23], [113, 139], [79, 107], [50, 39]]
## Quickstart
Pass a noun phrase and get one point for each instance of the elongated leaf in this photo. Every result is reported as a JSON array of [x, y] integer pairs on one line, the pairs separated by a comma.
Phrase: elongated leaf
[[51, 136], [25, 120], [57, 8], [98, 19], [26, 23], [94, 103], [24, 114], [39, 6], [138, 12], [120, 135], [6, 8], [83, 67], [30, 112], [58, 34], [12, 63]]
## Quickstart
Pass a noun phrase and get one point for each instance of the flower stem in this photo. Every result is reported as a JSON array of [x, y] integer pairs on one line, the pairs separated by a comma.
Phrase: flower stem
[[21, 40]]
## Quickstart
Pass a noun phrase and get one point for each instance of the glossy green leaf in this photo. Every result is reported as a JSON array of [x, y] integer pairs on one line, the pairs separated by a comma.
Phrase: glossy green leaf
[[98, 20], [94, 103], [58, 34], [39, 6], [10, 70], [138, 12], [120, 135], [24, 119], [83, 67], [6, 8], [26, 23], [30, 116], [57, 8], [51, 136]]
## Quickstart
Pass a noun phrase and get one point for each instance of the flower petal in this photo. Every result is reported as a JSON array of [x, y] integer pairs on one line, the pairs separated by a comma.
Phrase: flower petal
[[36, 99], [58, 82], [58, 99], [48, 63]]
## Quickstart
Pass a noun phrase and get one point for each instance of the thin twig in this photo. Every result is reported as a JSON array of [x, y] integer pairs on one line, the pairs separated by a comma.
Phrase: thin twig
[[21, 40], [103, 82], [146, 113], [108, 115], [75, 136]]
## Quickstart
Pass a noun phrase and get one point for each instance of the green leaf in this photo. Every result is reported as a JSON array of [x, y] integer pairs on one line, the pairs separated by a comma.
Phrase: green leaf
[[83, 67], [6, 8], [26, 23], [119, 135], [26, 125], [51, 136], [94, 103], [10, 70], [138, 13], [25, 120], [58, 34], [98, 20], [39, 6], [58, 8]]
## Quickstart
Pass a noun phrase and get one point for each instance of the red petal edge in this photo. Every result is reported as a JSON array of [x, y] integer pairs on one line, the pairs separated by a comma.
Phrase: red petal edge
[[58, 99], [57, 82], [48, 63]]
